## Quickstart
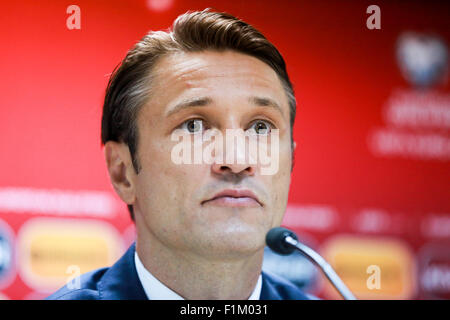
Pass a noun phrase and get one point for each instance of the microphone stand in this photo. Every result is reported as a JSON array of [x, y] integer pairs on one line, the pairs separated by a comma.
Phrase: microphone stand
[[323, 265]]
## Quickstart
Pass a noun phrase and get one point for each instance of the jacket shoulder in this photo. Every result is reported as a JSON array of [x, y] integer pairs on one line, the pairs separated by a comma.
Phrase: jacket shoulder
[[85, 287], [279, 288]]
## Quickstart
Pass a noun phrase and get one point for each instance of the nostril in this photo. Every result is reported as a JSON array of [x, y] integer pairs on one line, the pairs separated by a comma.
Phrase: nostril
[[235, 169]]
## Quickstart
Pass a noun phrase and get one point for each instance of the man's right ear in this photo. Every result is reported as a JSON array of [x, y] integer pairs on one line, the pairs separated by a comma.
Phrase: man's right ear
[[120, 169]]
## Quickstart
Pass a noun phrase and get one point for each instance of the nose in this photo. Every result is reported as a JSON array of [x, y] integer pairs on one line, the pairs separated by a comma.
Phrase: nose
[[241, 169], [234, 161]]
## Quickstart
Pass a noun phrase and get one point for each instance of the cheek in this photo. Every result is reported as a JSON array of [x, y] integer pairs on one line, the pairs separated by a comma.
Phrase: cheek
[[280, 182], [156, 175], [279, 187], [162, 182]]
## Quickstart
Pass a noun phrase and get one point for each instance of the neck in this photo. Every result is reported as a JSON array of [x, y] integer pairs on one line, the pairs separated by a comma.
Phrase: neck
[[197, 277]]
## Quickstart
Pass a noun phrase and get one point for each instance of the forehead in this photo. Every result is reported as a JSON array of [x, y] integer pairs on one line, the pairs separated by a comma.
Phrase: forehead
[[216, 74], [191, 65]]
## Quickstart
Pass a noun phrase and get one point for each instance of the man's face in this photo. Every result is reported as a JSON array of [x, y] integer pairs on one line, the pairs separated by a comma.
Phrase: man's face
[[175, 202]]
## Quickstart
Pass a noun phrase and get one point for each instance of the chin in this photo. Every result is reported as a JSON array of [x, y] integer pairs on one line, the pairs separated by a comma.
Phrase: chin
[[233, 241]]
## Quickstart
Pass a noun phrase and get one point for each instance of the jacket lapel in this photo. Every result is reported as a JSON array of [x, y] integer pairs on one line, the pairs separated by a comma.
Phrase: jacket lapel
[[268, 290], [121, 281]]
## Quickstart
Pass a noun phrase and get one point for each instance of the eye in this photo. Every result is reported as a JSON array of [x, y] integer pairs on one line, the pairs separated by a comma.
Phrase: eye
[[193, 125], [261, 127]]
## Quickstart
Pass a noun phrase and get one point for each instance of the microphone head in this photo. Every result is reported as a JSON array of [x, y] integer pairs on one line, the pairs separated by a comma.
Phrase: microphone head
[[275, 240]]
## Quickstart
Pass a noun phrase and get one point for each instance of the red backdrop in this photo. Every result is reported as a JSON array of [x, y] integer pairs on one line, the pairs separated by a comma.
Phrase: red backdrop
[[370, 186]]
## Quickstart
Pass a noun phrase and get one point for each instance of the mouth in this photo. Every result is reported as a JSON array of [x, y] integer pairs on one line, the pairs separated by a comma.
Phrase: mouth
[[234, 198]]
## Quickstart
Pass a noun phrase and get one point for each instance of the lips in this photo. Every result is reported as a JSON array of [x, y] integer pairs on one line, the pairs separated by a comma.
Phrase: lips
[[234, 198]]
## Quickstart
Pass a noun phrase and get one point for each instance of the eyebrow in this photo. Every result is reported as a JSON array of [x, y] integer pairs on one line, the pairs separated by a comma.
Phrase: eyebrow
[[266, 102], [205, 101], [187, 103]]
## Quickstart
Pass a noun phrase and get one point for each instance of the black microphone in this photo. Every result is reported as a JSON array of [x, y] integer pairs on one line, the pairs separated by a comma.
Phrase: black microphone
[[284, 241]]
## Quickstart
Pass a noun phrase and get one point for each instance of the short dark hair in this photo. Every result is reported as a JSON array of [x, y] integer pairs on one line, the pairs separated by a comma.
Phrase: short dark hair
[[129, 85]]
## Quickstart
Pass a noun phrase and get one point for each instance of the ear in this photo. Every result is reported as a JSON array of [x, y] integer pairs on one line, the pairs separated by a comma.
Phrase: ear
[[293, 155], [121, 171]]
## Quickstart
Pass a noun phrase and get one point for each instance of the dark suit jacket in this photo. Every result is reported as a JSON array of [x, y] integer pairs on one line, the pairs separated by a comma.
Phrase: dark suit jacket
[[121, 282]]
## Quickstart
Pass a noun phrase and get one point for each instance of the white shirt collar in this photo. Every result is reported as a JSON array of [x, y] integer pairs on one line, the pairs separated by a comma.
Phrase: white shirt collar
[[156, 290]]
